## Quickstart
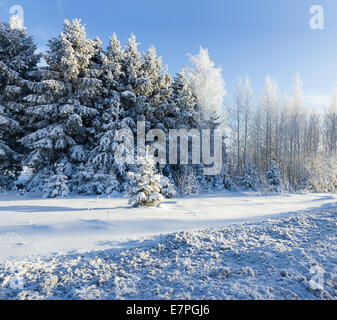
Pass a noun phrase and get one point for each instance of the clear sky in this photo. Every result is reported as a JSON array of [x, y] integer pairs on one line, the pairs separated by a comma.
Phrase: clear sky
[[244, 37]]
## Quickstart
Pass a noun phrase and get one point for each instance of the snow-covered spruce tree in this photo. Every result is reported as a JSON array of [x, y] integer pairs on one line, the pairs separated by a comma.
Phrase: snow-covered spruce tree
[[137, 87], [251, 179], [9, 159], [144, 184], [81, 62], [147, 86], [189, 184], [63, 104], [224, 179], [105, 168], [181, 112], [56, 185], [134, 87], [155, 85], [184, 110], [150, 71], [228, 181], [131, 64], [112, 66], [110, 120], [18, 63], [273, 178], [188, 179], [117, 100], [92, 182], [131, 105], [130, 74], [168, 189]]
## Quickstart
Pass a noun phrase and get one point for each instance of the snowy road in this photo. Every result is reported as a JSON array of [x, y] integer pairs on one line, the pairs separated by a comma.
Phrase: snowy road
[[294, 257]]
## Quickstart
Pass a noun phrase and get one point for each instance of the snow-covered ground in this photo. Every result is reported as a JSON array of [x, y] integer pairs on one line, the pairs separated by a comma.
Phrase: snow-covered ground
[[284, 258], [31, 226], [225, 245]]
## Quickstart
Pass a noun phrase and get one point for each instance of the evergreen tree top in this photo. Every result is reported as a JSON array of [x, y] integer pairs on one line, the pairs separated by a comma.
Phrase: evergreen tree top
[[114, 49], [17, 49], [71, 52]]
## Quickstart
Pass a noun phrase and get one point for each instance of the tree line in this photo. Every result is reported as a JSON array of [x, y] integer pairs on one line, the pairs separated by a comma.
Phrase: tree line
[[282, 130], [58, 120]]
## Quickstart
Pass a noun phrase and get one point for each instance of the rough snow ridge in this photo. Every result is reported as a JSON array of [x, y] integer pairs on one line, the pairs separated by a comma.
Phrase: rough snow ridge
[[273, 259]]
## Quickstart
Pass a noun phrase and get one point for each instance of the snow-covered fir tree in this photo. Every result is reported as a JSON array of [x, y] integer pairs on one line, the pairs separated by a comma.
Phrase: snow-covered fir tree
[[147, 86], [18, 64], [108, 121], [64, 102], [251, 179], [118, 101], [9, 158], [155, 85], [56, 185], [188, 181], [95, 182], [182, 112], [273, 178], [144, 184], [168, 189], [112, 65], [131, 64], [189, 184], [228, 181], [106, 125], [224, 180], [185, 112]]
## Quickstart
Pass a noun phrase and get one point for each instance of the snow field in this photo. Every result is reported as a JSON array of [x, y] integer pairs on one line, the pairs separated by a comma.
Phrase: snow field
[[272, 259], [32, 227], [228, 245]]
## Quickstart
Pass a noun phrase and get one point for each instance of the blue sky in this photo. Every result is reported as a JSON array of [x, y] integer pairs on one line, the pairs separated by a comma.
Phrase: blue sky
[[244, 37]]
